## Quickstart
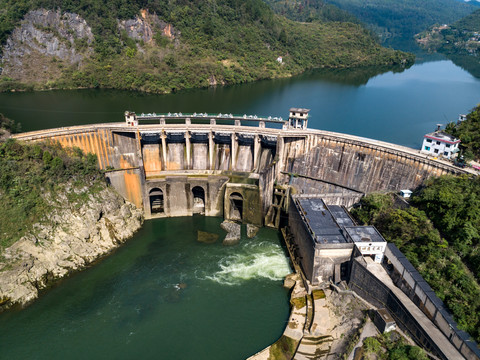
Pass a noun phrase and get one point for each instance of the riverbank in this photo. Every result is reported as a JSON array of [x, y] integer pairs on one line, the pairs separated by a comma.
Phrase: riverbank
[[71, 238], [57, 215]]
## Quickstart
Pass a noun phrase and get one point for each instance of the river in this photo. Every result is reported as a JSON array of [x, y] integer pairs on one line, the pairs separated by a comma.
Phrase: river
[[398, 107], [165, 295]]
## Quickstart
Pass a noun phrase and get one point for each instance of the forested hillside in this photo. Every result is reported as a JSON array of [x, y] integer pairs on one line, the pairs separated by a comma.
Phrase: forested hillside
[[460, 41], [439, 234], [164, 46], [310, 10], [468, 132], [394, 20]]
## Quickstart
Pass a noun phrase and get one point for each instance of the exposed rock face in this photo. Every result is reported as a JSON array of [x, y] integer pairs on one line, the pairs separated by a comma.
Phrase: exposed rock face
[[252, 230], [234, 232], [71, 238], [46, 33], [144, 27]]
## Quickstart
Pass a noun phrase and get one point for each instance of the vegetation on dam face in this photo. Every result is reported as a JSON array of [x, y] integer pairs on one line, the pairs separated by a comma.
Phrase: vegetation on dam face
[[439, 234], [167, 46], [32, 179]]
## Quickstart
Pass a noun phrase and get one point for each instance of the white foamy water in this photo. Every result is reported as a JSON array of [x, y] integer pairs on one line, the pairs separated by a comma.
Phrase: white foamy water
[[253, 261]]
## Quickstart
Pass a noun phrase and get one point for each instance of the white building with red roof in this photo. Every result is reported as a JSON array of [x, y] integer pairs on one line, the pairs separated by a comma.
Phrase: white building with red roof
[[440, 144]]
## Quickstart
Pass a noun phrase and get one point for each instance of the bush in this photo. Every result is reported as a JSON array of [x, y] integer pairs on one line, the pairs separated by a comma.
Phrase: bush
[[30, 177]]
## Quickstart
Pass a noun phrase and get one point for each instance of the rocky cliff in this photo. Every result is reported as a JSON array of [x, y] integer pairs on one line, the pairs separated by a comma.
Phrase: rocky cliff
[[50, 45], [69, 238], [45, 42]]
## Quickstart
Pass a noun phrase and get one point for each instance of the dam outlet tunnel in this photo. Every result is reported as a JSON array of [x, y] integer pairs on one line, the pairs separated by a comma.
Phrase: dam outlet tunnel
[[236, 206], [198, 200], [156, 201]]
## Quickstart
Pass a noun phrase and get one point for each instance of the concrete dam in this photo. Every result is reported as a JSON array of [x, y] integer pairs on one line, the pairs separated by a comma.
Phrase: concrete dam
[[221, 165], [250, 170]]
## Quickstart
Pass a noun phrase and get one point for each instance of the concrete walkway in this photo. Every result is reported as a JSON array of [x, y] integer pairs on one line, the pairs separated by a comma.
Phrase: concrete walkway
[[435, 334]]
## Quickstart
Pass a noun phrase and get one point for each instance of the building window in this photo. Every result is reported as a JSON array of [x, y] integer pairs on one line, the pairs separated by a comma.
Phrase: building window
[[427, 148], [448, 145], [438, 142], [445, 153], [429, 140], [435, 151]]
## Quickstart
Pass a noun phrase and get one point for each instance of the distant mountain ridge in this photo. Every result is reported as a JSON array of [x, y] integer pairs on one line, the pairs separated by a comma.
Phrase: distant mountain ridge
[[393, 20], [459, 41], [160, 46]]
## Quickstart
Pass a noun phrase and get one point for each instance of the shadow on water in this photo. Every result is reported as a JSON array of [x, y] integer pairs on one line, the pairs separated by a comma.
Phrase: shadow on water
[[353, 77], [466, 62]]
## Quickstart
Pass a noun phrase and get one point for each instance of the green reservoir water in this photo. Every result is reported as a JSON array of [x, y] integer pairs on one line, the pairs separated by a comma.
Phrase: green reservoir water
[[163, 295]]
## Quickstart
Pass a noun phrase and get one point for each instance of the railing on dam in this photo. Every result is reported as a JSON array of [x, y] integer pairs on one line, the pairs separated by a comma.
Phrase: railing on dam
[[227, 119], [133, 119]]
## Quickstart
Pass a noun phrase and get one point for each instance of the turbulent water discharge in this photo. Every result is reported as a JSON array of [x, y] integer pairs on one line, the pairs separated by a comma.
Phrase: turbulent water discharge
[[253, 260], [164, 295]]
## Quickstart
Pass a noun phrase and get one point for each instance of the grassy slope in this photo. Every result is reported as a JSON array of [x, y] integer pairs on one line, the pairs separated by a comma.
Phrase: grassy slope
[[222, 41]]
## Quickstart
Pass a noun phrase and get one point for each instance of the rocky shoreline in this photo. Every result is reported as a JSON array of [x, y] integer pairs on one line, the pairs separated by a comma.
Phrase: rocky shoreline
[[70, 238]]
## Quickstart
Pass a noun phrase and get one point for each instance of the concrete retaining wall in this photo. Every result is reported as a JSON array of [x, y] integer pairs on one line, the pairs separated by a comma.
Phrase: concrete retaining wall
[[409, 280], [324, 163], [367, 286]]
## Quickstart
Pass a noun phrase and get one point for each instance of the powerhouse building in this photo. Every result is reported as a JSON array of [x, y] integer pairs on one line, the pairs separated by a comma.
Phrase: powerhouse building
[[325, 236]]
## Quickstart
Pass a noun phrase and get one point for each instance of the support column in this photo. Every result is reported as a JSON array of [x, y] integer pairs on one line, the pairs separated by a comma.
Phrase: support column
[[233, 150], [188, 145], [211, 148], [280, 155], [164, 150], [139, 148], [256, 151]]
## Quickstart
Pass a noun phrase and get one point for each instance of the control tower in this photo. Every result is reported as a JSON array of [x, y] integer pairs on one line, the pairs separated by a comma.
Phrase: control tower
[[298, 118]]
